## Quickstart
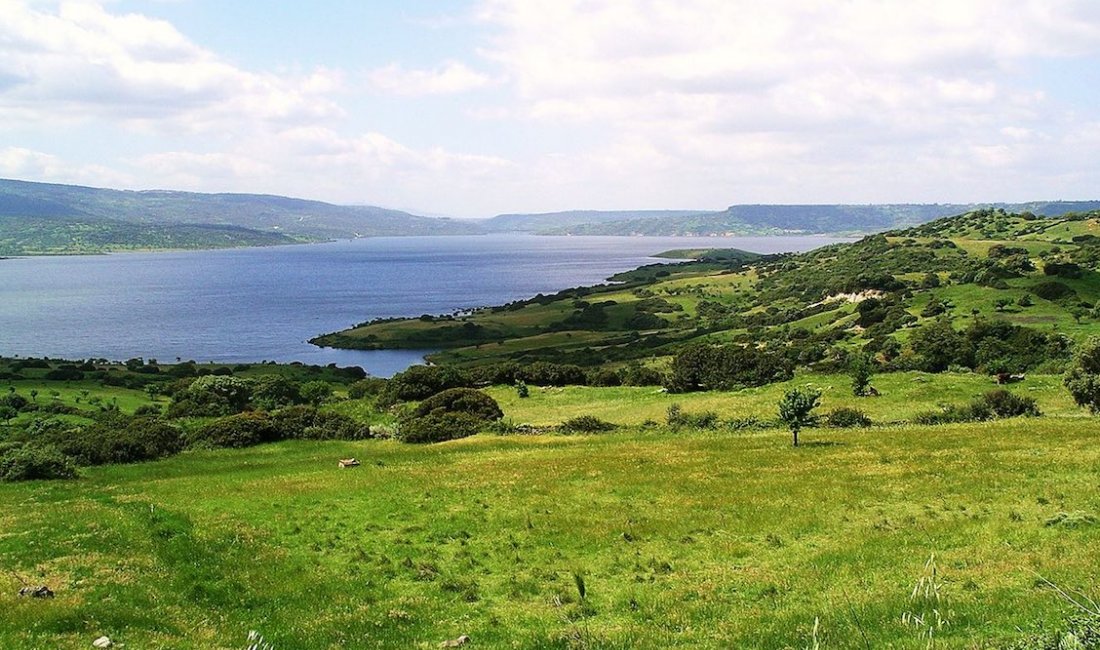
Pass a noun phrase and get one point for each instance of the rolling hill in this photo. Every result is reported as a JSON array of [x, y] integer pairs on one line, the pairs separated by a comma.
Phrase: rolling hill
[[38, 217]]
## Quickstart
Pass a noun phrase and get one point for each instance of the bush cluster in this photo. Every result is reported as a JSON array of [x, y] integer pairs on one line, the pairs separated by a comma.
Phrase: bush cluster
[[585, 424], [993, 405], [844, 417], [448, 415]]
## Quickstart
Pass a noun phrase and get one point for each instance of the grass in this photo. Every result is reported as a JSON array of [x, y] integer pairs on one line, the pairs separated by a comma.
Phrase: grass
[[691, 540], [903, 394]]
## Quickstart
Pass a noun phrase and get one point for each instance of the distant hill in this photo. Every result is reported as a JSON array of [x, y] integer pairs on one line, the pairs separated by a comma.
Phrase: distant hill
[[551, 221], [776, 219], [52, 210]]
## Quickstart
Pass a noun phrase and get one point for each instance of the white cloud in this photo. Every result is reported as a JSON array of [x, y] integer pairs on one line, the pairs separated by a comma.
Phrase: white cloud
[[450, 78], [20, 163], [798, 99], [74, 61]]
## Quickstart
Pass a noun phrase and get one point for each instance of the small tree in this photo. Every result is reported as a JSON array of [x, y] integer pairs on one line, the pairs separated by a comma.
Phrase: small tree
[[861, 370], [1083, 379], [796, 407]]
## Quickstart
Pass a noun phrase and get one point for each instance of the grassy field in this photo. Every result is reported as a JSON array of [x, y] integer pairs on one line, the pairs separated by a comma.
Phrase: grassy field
[[903, 394], [690, 540]]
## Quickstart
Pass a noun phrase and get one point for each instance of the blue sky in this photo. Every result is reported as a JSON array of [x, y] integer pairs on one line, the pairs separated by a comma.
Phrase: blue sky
[[478, 107]]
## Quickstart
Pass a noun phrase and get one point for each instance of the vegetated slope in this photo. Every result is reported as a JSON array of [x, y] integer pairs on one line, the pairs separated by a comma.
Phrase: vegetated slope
[[805, 219], [29, 236], [1012, 283], [294, 218], [552, 221]]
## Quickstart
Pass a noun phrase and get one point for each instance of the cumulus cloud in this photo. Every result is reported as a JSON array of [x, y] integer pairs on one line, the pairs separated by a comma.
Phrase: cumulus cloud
[[450, 78], [75, 60], [797, 99]]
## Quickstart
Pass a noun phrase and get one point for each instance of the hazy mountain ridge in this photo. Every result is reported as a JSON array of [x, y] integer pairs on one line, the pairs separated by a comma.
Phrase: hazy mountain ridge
[[298, 218], [546, 221], [760, 219]]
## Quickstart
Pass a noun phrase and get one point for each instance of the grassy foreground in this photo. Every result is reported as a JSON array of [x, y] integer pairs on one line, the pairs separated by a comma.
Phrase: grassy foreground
[[689, 540]]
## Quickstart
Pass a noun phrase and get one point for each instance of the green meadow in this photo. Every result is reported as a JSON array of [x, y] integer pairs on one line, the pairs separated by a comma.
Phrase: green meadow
[[895, 536]]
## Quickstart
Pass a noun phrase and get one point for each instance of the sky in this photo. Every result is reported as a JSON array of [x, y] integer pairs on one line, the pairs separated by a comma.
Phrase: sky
[[479, 107]]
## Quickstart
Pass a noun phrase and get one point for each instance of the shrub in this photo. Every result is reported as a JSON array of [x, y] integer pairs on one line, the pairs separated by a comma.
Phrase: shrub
[[274, 391], [147, 409], [14, 401], [995, 404], [451, 414], [439, 426], [34, 462], [845, 418], [316, 392], [369, 387], [705, 367], [241, 430], [64, 373], [1052, 290], [461, 400], [421, 382], [116, 439], [604, 377], [676, 418], [522, 391], [1083, 379], [639, 375], [545, 373], [585, 424], [307, 423], [1006, 404]]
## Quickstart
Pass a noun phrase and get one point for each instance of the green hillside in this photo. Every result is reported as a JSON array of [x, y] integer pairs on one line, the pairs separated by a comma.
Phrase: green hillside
[[803, 219], [988, 273], [65, 218]]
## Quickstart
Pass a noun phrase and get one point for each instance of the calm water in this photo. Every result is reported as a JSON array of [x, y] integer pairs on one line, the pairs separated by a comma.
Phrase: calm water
[[265, 303]]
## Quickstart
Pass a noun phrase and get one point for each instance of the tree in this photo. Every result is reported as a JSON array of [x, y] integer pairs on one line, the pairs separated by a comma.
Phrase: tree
[[861, 370], [1083, 379], [316, 392], [796, 407]]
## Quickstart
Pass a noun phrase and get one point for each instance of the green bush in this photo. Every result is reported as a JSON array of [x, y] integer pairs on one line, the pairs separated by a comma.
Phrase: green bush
[[316, 392], [307, 423], [439, 426], [676, 418], [451, 414], [1052, 290], [844, 418], [116, 438], [270, 392], [461, 400], [34, 462], [241, 430], [369, 387], [995, 404], [421, 382], [585, 424], [1006, 404]]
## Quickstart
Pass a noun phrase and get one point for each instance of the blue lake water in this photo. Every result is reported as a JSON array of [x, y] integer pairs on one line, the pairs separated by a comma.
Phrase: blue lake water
[[260, 304]]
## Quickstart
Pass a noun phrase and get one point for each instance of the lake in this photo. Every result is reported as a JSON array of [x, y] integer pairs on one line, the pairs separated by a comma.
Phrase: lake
[[257, 304]]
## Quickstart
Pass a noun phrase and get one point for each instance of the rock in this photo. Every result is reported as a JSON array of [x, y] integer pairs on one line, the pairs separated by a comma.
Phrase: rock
[[344, 463], [41, 591], [102, 642], [454, 643]]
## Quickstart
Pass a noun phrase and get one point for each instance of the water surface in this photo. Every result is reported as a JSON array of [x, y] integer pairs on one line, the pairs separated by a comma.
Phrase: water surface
[[259, 304]]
